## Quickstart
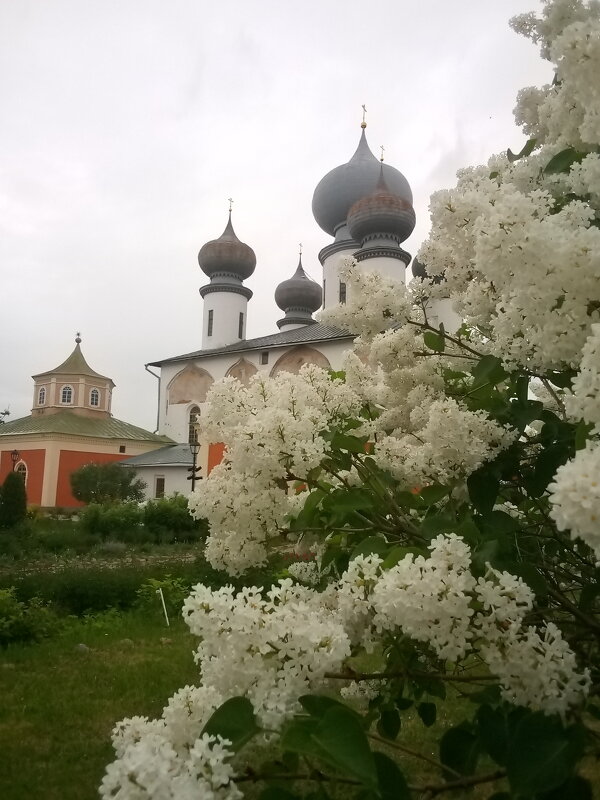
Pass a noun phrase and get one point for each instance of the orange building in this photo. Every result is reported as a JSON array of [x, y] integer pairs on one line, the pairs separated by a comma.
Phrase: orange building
[[70, 425]]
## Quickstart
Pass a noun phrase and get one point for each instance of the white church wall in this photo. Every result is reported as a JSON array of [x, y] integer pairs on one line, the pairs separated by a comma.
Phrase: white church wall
[[174, 417], [175, 480], [443, 313], [389, 267]]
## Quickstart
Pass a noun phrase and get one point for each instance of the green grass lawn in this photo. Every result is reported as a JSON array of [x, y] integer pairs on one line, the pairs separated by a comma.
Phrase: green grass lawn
[[59, 702]]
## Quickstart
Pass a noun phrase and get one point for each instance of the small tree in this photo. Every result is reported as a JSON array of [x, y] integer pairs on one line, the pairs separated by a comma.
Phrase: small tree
[[106, 483], [13, 500]]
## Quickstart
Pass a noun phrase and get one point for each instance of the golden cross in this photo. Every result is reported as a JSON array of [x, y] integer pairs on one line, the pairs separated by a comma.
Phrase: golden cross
[[363, 123], [382, 149], [300, 246], [230, 199]]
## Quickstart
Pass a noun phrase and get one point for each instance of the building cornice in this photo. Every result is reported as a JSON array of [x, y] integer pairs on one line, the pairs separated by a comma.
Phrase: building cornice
[[383, 252], [348, 245], [210, 288]]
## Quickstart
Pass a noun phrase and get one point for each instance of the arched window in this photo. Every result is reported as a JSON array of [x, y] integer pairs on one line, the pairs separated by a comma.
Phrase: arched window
[[94, 397], [22, 471], [41, 396], [193, 419], [66, 396]]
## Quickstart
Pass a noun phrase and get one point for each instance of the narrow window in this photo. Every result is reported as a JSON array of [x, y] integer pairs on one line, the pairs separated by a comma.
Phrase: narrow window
[[324, 287], [121, 448], [22, 471], [159, 486], [66, 396], [210, 323], [241, 325], [192, 420], [264, 358], [41, 396], [94, 397], [342, 292]]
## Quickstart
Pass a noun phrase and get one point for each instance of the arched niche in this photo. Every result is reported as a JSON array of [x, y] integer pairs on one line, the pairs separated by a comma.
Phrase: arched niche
[[295, 359], [189, 385], [242, 370]]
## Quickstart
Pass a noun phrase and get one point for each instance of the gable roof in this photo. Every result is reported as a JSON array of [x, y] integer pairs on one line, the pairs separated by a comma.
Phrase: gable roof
[[68, 423], [174, 455], [307, 334]]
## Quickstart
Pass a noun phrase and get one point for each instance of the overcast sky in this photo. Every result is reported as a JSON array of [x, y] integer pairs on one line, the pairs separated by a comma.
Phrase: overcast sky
[[126, 124]]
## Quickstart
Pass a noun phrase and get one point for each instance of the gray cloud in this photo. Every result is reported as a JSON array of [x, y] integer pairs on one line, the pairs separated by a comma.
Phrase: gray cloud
[[127, 125]]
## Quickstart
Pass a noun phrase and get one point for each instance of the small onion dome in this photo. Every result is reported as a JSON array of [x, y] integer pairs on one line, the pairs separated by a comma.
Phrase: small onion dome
[[419, 271], [381, 212], [227, 255], [299, 292], [346, 184]]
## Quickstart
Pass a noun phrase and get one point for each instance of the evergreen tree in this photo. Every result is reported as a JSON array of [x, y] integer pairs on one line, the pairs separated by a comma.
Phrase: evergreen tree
[[13, 500]]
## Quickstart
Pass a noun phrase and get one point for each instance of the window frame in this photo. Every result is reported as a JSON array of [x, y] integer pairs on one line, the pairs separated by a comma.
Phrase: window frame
[[21, 469], [211, 320], [95, 393], [63, 390], [192, 432]]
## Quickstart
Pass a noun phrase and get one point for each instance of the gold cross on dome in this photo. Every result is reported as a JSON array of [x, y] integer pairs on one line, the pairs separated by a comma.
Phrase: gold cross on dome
[[300, 246], [230, 201], [364, 123], [382, 149]]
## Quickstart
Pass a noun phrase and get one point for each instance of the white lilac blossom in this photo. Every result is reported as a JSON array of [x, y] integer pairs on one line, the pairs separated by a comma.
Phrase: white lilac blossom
[[434, 450], [271, 649], [276, 647], [584, 402], [305, 572], [375, 302], [575, 496], [537, 671], [272, 432], [151, 768]]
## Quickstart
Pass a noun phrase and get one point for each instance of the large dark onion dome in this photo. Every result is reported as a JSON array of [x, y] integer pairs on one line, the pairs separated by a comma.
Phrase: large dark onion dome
[[299, 296], [381, 214], [227, 256], [344, 185]]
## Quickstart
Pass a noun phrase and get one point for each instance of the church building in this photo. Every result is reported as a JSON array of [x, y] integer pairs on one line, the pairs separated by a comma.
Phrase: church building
[[70, 425], [365, 206]]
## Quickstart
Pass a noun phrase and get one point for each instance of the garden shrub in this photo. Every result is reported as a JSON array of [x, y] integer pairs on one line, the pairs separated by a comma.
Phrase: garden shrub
[[111, 521], [22, 622], [174, 591], [79, 590], [170, 515]]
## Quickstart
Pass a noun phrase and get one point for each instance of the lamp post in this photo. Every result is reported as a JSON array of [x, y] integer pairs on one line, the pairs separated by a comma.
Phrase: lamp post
[[14, 457], [194, 449]]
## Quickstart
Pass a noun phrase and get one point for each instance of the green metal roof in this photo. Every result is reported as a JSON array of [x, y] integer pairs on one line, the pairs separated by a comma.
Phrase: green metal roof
[[74, 365], [69, 423]]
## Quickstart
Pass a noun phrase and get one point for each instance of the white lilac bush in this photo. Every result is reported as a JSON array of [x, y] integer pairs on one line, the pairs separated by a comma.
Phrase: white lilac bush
[[449, 488]]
